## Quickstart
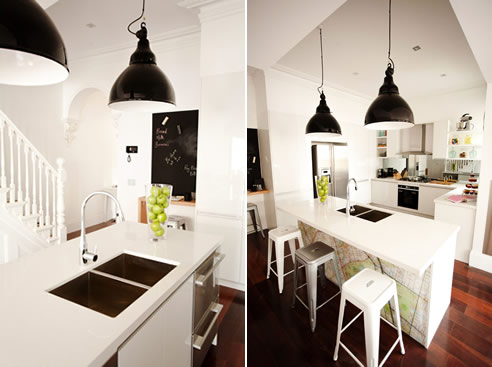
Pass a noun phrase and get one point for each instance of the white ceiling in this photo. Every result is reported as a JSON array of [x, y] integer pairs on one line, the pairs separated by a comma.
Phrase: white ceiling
[[111, 18], [355, 40]]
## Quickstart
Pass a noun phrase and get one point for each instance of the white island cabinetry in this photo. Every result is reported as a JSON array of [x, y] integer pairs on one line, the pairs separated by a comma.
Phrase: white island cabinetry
[[164, 339], [384, 193], [427, 195]]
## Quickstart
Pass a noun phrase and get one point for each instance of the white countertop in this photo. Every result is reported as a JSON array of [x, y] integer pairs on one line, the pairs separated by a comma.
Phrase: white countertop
[[449, 187], [41, 329], [408, 241], [443, 199]]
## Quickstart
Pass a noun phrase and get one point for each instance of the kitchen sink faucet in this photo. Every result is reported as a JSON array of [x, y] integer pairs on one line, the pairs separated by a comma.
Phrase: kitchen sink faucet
[[85, 255], [350, 208]]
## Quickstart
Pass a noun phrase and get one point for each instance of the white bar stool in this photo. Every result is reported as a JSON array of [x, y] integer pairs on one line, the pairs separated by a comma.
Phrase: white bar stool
[[174, 221], [279, 236], [255, 218], [314, 257], [369, 291]]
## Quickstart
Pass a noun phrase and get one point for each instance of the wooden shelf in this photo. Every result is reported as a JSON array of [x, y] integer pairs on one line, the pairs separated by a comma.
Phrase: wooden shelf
[[465, 145]]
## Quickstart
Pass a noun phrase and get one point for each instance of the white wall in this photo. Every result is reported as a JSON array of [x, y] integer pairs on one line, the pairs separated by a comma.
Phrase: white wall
[[179, 58], [291, 102]]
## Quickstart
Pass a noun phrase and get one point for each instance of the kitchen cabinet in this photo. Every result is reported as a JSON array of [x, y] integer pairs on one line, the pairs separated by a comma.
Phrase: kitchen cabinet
[[427, 196], [440, 140], [393, 143], [384, 193], [165, 338]]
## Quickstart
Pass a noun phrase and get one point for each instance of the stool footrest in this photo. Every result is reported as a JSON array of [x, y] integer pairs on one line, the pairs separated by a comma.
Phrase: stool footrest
[[328, 300], [389, 323], [351, 354], [389, 352], [351, 321], [274, 272]]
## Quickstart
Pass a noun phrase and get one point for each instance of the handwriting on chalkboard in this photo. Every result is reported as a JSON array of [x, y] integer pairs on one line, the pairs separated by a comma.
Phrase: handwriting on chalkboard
[[191, 170], [172, 158], [160, 137]]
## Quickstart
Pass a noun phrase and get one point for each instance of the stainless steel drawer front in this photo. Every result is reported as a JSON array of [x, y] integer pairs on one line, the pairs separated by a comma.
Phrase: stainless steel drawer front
[[204, 335]]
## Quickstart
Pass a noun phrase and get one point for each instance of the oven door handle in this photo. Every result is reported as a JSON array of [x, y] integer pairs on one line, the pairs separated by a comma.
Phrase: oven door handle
[[198, 340], [201, 279]]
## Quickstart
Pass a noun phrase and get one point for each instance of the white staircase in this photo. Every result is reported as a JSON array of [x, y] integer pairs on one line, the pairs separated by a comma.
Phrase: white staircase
[[32, 209]]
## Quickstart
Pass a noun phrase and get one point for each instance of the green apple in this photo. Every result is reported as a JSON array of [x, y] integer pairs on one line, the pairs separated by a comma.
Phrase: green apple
[[166, 204], [161, 199], [155, 226], [166, 191], [159, 232], [322, 199], [151, 200], [162, 217], [155, 191], [157, 209], [151, 216]]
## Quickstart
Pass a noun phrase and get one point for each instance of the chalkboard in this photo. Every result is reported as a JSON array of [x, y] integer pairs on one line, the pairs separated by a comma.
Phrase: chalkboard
[[253, 158], [174, 147]]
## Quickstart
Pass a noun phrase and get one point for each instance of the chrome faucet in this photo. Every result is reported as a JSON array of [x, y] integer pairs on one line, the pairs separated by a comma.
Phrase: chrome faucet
[[350, 208], [85, 255]]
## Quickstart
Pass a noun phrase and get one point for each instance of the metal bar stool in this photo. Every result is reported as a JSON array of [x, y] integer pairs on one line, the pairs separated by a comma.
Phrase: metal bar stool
[[253, 212], [314, 257], [174, 221], [279, 236], [369, 291]]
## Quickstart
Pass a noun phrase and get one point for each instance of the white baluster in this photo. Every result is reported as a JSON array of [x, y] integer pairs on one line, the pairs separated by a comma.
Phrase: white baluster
[[60, 208], [19, 169], [53, 219], [34, 203], [27, 206], [41, 210], [47, 215], [12, 176], [3, 178]]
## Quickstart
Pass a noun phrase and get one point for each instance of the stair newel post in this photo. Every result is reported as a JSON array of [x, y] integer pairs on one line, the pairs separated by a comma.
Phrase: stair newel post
[[53, 218], [27, 206], [3, 178], [60, 208], [47, 198], [41, 211], [19, 169], [12, 174], [34, 200]]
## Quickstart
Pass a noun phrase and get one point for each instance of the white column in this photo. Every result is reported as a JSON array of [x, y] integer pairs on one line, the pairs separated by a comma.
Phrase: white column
[[12, 176], [47, 198], [41, 209], [34, 200], [19, 169], [27, 205], [60, 207]]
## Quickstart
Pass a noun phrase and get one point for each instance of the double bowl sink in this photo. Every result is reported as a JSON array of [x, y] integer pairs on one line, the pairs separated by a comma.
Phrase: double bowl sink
[[114, 285], [369, 214]]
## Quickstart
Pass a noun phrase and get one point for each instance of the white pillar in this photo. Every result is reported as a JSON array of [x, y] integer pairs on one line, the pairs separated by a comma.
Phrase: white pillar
[[60, 202]]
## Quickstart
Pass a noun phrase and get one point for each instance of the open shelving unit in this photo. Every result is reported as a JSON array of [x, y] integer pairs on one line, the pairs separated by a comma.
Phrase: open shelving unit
[[382, 143]]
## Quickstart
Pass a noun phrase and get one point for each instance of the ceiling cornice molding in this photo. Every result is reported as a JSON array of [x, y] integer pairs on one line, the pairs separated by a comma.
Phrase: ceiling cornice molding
[[168, 41], [315, 82], [46, 3], [209, 10]]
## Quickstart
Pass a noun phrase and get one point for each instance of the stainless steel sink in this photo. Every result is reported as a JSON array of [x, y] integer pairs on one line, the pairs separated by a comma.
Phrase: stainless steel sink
[[358, 210], [136, 269], [99, 293], [114, 285]]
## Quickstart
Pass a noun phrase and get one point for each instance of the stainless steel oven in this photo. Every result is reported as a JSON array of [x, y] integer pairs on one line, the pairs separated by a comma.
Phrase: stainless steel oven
[[408, 196], [207, 307]]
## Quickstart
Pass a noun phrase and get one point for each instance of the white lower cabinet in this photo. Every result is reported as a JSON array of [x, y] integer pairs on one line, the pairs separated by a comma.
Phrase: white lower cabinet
[[164, 339], [384, 193], [426, 198]]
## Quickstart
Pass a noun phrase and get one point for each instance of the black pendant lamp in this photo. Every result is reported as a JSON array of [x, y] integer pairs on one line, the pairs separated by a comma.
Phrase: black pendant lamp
[[142, 86], [31, 48], [389, 111], [323, 124]]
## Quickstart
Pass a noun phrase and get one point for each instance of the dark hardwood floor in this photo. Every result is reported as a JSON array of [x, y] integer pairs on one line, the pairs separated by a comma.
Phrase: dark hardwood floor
[[75, 234], [280, 336], [230, 349]]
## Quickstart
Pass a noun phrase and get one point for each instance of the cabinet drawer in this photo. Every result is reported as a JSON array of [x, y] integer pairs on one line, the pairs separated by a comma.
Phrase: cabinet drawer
[[205, 334]]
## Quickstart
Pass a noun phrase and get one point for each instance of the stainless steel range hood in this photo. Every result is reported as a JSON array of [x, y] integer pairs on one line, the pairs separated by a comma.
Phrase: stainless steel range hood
[[413, 140]]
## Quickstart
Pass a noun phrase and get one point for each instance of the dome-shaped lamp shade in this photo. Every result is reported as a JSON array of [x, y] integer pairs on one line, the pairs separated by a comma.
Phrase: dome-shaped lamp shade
[[323, 124], [389, 111], [142, 86], [31, 49]]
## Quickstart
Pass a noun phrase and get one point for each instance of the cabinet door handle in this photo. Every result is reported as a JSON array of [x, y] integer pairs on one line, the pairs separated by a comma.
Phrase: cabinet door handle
[[198, 340], [200, 280]]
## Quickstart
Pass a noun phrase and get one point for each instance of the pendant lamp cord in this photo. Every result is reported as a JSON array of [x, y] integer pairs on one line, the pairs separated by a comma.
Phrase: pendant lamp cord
[[390, 61], [322, 70], [136, 20]]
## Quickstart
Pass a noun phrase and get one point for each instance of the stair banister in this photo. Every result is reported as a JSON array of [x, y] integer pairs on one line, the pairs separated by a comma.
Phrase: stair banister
[[60, 208], [3, 178], [12, 175], [19, 169]]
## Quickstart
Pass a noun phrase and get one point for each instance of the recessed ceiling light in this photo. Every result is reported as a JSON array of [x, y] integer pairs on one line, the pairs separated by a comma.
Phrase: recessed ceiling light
[[443, 75], [416, 48], [90, 25]]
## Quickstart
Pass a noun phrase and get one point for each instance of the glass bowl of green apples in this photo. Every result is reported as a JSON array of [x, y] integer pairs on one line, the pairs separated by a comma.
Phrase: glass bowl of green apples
[[322, 188], [158, 201]]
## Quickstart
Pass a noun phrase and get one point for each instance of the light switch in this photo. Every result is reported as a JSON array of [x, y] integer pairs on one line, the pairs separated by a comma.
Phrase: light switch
[[132, 182]]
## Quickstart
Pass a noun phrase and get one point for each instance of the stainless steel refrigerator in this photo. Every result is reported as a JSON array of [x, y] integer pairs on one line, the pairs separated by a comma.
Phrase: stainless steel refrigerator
[[331, 159]]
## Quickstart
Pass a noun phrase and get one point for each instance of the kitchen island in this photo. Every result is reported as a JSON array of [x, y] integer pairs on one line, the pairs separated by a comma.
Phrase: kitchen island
[[418, 253], [41, 329]]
